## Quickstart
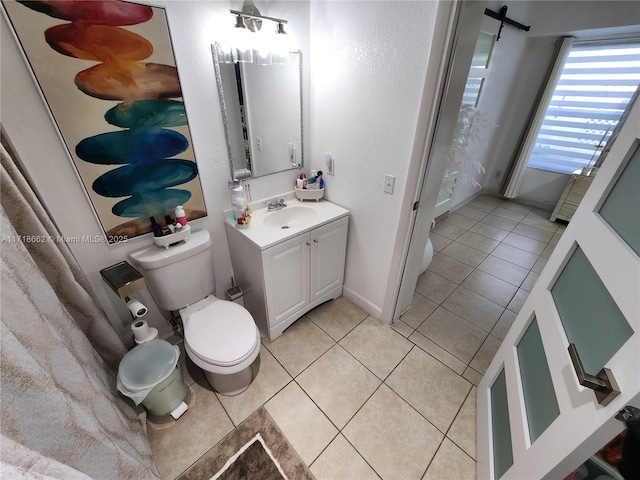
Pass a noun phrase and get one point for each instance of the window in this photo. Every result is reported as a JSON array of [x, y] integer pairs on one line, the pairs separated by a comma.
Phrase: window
[[478, 69], [594, 89]]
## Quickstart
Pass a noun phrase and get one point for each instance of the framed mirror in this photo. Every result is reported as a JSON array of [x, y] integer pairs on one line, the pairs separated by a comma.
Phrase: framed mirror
[[262, 114]]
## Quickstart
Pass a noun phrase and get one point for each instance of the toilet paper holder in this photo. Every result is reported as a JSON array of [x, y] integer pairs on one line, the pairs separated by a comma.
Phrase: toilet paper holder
[[123, 279]]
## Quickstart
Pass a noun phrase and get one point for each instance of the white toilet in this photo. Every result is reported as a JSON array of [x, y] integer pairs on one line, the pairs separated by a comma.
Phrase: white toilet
[[220, 337]]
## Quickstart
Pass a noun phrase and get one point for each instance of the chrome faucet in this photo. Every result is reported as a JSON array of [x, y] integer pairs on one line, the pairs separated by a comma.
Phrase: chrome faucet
[[276, 205]]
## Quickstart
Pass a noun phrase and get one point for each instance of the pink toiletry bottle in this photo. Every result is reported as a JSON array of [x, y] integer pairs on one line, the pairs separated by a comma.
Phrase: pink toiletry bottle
[[181, 217]]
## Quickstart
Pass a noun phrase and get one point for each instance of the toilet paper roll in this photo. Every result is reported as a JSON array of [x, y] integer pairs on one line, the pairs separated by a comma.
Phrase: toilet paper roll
[[142, 332], [136, 308]]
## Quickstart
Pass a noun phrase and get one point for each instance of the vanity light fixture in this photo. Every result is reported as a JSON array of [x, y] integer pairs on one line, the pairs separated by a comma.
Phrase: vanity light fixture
[[249, 17]]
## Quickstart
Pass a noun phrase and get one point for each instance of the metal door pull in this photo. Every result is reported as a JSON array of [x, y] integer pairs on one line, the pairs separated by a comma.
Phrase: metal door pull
[[603, 383]]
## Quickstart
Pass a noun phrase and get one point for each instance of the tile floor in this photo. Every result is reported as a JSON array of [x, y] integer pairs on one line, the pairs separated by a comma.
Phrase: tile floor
[[359, 400]]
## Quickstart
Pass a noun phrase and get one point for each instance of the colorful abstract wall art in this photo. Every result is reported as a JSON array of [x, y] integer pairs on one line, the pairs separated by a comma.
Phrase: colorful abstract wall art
[[108, 74]]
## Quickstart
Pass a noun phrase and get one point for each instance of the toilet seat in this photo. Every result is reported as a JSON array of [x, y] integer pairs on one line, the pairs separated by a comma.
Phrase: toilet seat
[[220, 333]]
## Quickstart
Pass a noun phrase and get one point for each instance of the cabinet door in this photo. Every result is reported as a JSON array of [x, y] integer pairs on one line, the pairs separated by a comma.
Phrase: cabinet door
[[328, 248], [286, 278]]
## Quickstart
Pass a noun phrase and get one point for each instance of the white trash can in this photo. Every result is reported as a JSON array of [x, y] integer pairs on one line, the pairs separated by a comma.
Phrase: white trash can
[[150, 375]]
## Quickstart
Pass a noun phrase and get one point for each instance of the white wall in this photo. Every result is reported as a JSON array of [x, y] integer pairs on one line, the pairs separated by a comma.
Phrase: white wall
[[194, 26], [369, 63], [368, 69], [516, 71]]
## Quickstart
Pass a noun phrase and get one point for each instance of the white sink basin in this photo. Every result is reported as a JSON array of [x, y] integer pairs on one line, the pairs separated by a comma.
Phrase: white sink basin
[[290, 217]]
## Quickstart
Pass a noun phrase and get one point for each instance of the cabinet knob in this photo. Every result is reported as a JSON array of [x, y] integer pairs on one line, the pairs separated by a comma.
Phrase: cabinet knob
[[308, 244], [315, 240]]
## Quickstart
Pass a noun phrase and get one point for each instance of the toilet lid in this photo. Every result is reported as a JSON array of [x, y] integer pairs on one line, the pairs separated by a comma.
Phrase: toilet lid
[[222, 333]]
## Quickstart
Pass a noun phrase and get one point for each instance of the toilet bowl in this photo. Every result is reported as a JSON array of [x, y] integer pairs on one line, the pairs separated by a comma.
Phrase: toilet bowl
[[220, 336], [222, 339]]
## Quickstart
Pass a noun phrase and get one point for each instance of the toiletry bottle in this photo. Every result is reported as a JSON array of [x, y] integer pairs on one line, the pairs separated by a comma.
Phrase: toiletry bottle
[[165, 229], [181, 217], [155, 228], [237, 198], [169, 222]]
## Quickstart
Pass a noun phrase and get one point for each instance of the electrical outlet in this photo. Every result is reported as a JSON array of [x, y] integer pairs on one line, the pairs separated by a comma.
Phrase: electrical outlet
[[389, 182], [330, 163]]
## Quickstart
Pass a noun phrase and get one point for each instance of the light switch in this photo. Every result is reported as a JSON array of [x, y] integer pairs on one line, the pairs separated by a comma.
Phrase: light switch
[[389, 182], [259, 144], [330, 163]]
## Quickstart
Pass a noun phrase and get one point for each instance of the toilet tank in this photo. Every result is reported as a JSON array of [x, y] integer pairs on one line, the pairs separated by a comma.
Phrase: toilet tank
[[180, 275]]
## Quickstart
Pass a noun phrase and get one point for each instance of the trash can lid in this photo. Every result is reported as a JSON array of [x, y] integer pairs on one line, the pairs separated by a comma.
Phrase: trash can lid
[[148, 364]]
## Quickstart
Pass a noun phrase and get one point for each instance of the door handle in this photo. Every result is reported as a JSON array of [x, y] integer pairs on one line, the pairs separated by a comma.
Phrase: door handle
[[603, 383], [627, 413]]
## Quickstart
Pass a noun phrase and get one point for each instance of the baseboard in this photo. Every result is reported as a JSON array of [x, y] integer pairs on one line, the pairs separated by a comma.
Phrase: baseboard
[[363, 303]]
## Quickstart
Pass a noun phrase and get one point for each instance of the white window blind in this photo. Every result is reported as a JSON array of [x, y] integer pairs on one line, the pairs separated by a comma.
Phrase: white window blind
[[595, 86]]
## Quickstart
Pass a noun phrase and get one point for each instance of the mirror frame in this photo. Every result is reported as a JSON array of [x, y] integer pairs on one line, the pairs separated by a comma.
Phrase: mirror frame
[[242, 173]]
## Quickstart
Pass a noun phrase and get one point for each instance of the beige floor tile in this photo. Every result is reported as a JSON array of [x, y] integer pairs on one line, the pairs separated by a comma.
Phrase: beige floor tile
[[509, 214], [460, 221], [421, 308], [434, 287], [517, 207], [471, 212], [338, 384], [525, 243], [451, 463], [556, 238], [489, 231], [539, 265], [489, 200], [341, 461], [376, 346], [530, 281], [299, 346], [439, 241], [535, 220], [477, 241], [465, 254], [432, 389], [463, 430], [392, 437], [309, 437], [515, 255], [439, 353], [402, 328], [450, 268], [177, 446], [454, 334], [487, 351], [337, 317], [448, 230], [540, 213], [534, 232], [504, 324], [518, 300], [500, 222], [473, 308], [504, 270], [270, 379], [473, 376], [490, 287], [482, 206], [548, 250]]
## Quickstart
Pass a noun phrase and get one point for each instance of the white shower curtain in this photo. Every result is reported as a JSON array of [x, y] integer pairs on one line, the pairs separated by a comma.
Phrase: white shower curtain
[[61, 416]]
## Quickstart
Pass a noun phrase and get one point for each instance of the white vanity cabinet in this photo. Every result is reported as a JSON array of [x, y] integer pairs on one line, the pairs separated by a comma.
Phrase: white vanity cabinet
[[283, 281]]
